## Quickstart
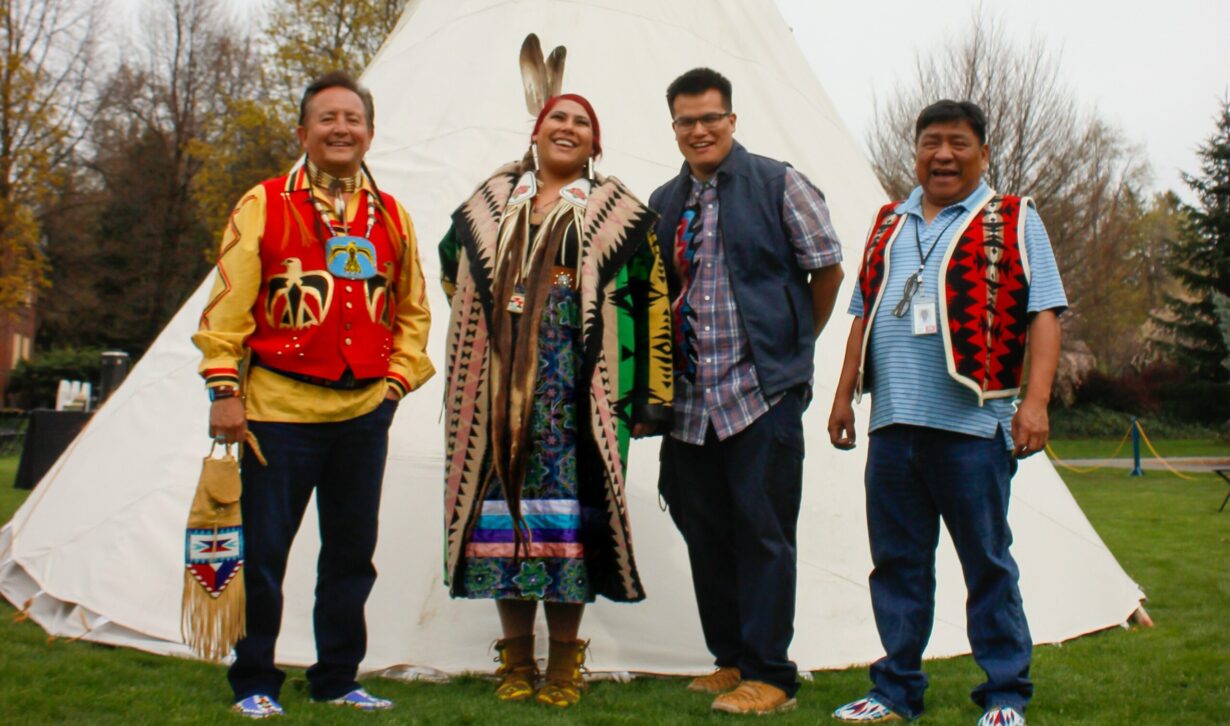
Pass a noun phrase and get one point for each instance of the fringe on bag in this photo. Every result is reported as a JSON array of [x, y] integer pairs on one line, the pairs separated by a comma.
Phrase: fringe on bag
[[212, 617], [212, 625]]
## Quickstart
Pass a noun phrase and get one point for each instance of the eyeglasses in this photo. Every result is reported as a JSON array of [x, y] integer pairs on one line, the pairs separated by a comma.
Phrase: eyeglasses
[[709, 121], [912, 283]]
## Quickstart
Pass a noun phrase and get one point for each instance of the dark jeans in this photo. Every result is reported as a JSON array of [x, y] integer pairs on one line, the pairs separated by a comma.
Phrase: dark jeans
[[915, 477], [736, 502], [344, 463]]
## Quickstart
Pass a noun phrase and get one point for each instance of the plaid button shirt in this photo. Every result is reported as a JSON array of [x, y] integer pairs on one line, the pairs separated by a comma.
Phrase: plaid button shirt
[[715, 379]]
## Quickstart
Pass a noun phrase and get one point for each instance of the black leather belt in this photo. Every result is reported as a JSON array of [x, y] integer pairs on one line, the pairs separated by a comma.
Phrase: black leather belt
[[346, 383]]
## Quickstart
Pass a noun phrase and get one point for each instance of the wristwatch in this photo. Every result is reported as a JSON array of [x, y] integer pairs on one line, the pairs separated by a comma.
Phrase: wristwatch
[[217, 393]]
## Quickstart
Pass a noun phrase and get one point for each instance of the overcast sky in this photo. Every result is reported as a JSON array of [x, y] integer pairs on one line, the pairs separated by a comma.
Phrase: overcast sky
[[1154, 69]]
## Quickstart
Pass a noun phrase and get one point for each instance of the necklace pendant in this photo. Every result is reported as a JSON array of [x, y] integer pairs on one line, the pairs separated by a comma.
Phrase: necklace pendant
[[350, 257], [516, 301]]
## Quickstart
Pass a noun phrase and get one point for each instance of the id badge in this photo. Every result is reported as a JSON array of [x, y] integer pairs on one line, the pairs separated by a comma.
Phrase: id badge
[[924, 310]]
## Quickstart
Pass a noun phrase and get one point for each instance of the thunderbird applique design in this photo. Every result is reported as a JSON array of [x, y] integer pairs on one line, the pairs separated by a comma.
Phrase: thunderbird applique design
[[298, 299], [377, 293]]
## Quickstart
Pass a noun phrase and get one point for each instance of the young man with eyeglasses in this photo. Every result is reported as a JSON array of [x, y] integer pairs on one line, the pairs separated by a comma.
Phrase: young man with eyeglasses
[[955, 281], [753, 270]]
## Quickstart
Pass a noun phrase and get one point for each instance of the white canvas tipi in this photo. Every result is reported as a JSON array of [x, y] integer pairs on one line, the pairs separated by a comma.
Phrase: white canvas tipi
[[96, 551]]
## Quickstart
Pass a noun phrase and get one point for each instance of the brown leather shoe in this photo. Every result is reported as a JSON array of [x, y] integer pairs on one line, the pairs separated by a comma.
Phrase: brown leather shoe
[[721, 680], [755, 697]]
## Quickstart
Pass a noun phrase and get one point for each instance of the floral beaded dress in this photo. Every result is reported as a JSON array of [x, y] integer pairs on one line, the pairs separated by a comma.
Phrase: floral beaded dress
[[551, 565]]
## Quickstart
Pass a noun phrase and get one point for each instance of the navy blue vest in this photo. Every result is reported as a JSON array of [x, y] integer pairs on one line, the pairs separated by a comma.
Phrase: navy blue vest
[[769, 287]]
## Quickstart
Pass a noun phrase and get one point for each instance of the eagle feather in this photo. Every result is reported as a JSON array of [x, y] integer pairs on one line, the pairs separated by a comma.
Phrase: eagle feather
[[533, 74], [555, 70]]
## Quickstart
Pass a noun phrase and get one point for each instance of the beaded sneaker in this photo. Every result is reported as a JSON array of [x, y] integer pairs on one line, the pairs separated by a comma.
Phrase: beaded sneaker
[[865, 710], [754, 697], [1002, 716], [721, 680], [363, 701], [258, 706]]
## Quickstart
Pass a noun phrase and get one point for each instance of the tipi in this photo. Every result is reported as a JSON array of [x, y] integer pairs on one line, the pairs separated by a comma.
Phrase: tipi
[[96, 551]]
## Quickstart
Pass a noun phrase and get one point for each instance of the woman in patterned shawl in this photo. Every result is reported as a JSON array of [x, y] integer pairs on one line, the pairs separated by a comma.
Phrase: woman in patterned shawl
[[558, 352]]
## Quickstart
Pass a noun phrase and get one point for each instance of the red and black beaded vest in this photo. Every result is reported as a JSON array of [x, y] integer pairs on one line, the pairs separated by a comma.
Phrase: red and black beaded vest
[[984, 289]]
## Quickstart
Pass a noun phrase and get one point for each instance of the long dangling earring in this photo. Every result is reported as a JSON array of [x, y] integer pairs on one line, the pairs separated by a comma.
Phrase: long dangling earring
[[534, 154], [589, 168]]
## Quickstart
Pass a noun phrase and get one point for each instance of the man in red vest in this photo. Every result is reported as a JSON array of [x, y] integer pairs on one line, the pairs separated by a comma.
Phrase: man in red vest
[[955, 281], [316, 327]]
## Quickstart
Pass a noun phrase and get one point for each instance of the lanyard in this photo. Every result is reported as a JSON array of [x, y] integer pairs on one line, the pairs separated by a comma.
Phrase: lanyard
[[922, 259], [913, 283]]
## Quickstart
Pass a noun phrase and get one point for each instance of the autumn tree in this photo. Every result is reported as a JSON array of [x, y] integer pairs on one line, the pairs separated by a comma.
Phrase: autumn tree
[[44, 87], [311, 37], [1159, 226], [1086, 179], [1200, 262], [195, 114], [253, 138], [148, 242], [1103, 246]]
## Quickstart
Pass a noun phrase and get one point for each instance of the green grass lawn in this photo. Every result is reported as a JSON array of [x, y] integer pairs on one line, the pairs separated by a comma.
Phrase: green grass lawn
[[1166, 532], [1100, 449]]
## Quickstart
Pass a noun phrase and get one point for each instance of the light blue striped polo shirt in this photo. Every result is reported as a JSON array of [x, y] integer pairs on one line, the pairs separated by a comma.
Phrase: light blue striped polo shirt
[[909, 377]]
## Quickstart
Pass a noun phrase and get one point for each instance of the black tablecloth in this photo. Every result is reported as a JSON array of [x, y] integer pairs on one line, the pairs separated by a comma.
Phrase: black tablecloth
[[48, 434]]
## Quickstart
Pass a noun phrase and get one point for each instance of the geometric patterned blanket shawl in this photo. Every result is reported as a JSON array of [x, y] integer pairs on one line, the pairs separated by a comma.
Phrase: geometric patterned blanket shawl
[[626, 362], [984, 289]]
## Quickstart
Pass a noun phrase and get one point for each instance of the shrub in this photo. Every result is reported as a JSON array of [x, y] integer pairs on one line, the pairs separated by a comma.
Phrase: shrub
[[1200, 401], [1159, 392], [1088, 422], [1117, 393], [1096, 422], [34, 382]]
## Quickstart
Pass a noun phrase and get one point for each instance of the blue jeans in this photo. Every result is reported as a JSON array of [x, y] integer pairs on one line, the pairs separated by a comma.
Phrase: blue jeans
[[915, 477], [736, 502], [344, 462]]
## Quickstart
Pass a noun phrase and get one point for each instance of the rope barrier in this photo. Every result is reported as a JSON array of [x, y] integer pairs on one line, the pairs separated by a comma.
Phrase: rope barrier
[[1158, 456], [1055, 459]]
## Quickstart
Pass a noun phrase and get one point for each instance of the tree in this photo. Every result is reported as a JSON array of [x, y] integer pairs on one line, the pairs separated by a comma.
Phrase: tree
[[311, 37], [1159, 226], [1034, 122], [47, 51], [1086, 179], [1102, 246], [1200, 262], [191, 118], [146, 248], [253, 138], [1221, 303]]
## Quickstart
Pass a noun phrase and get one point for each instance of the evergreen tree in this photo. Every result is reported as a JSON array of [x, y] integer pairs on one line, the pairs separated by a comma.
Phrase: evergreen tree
[[1200, 262]]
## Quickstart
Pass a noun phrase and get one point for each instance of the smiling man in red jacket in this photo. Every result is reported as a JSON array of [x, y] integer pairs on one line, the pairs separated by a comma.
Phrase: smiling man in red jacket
[[319, 289]]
